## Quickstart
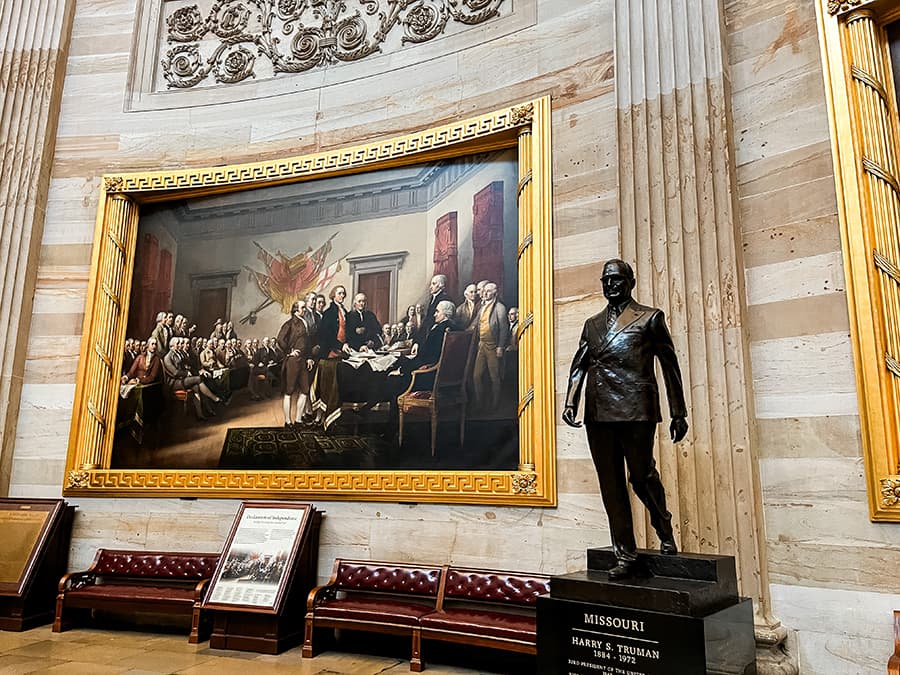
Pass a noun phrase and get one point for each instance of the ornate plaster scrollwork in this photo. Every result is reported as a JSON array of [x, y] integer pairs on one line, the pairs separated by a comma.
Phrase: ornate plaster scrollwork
[[299, 35]]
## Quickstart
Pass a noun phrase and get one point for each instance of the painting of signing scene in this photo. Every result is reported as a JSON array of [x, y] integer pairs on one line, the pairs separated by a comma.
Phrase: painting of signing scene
[[365, 321]]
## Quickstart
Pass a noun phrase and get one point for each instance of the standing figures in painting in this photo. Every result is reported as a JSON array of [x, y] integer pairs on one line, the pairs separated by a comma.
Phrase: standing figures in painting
[[468, 309], [437, 289], [244, 337], [492, 329], [294, 340], [616, 355], [333, 329]]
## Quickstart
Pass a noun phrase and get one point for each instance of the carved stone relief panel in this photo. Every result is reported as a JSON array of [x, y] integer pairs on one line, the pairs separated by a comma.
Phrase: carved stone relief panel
[[192, 52]]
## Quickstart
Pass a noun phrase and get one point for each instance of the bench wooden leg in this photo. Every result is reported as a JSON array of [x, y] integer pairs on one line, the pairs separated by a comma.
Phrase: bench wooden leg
[[415, 663], [200, 626], [308, 652], [59, 625]]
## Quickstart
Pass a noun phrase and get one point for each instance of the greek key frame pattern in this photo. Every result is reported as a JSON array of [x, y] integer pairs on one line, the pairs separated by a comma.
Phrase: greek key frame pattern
[[322, 162], [91, 441], [334, 484]]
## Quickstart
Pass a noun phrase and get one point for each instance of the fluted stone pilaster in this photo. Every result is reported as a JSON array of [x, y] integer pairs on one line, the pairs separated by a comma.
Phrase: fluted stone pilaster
[[678, 227], [34, 36]]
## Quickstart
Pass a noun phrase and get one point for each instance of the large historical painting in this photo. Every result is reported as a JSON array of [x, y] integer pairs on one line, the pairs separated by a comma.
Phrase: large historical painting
[[219, 373], [369, 322]]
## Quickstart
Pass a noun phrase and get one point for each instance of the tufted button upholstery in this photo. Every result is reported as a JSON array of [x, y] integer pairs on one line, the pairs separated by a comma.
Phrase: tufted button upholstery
[[505, 587], [388, 578], [487, 608], [156, 565]]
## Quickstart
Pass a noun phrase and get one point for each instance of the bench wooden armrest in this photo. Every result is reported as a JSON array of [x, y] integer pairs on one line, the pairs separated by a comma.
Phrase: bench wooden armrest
[[319, 593], [74, 580], [200, 589]]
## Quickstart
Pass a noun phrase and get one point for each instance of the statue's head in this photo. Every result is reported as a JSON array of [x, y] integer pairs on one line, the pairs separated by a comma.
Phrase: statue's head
[[618, 280]]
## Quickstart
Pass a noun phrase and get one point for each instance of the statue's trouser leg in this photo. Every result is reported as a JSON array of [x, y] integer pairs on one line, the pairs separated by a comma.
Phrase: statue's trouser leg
[[609, 460], [637, 439]]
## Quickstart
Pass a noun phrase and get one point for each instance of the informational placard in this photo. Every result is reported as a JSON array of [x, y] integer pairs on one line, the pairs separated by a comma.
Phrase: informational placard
[[577, 638], [258, 556], [24, 528], [21, 530]]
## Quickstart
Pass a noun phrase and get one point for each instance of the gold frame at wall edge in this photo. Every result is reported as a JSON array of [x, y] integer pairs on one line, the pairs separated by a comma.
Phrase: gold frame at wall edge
[[865, 138], [524, 125]]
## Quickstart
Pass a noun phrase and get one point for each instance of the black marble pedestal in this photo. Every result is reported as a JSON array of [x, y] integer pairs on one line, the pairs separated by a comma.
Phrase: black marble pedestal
[[682, 615]]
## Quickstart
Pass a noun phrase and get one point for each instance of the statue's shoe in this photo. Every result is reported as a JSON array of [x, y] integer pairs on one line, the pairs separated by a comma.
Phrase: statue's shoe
[[623, 568], [668, 547]]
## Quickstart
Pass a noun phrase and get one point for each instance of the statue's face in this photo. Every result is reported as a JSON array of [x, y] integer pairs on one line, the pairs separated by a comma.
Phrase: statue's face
[[616, 284]]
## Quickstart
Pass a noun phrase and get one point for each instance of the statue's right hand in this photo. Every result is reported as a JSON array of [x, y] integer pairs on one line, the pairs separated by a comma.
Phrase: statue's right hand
[[569, 417]]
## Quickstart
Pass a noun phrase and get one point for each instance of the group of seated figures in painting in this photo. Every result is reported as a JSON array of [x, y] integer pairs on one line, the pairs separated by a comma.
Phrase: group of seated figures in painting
[[205, 372]]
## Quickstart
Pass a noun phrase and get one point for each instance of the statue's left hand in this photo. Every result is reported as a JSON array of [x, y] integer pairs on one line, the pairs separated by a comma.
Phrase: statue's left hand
[[678, 428], [569, 417]]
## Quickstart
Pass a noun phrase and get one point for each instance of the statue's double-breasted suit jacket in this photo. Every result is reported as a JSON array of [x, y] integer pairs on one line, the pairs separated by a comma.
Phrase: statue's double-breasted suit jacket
[[616, 367]]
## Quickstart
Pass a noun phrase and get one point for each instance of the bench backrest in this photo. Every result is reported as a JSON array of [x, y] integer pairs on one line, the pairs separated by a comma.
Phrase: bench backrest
[[495, 586], [378, 577], [155, 564]]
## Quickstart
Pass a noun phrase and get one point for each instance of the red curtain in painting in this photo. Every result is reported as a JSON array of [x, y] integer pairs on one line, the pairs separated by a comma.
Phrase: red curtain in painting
[[142, 313], [487, 234], [164, 282], [151, 288], [446, 251]]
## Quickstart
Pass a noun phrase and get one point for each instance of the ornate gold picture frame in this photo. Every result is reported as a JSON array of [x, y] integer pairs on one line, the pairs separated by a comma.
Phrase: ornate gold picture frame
[[126, 198], [865, 134]]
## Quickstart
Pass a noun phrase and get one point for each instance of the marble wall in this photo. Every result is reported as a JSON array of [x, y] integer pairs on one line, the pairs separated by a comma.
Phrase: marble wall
[[831, 569], [566, 54]]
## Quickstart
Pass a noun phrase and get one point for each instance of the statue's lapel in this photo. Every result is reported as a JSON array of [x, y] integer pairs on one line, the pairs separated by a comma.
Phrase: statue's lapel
[[628, 316]]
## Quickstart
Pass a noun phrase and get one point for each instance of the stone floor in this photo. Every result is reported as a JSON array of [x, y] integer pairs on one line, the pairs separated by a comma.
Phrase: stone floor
[[92, 651]]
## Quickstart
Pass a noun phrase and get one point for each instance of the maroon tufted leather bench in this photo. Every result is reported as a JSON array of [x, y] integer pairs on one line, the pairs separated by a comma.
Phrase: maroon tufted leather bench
[[374, 596], [487, 608], [138, 581]]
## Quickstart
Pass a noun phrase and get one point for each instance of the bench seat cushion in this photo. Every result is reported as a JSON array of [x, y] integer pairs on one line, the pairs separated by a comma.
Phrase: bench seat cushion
[[483, 622], [132, 593], [367, 608]]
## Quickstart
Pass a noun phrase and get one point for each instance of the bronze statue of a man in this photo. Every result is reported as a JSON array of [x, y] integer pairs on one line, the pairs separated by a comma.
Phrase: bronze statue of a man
[[616, 353]]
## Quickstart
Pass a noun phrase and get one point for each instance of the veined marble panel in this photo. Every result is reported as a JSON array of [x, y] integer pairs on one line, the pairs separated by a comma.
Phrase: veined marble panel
[[775, 48], [804, 376], [795, 128], [841, 632], [797, 278], [781, 243], [799, 202], [829, 436], [809, 315], [812, 478], [785, 169]]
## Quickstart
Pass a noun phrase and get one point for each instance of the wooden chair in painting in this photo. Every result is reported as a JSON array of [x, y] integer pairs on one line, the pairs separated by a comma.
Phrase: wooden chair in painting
[[439, 391]]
